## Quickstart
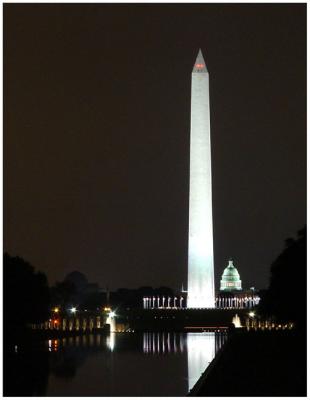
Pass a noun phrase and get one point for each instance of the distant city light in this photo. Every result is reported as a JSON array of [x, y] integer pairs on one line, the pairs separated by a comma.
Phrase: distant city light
[[56, 309], [252, 314], [112, 314], [73, 310]]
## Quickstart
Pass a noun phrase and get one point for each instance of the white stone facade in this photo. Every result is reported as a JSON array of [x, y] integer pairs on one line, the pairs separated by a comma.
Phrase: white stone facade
[[200, 245]]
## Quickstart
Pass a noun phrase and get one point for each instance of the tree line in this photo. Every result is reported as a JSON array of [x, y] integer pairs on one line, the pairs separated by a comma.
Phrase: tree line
[[28, 298]]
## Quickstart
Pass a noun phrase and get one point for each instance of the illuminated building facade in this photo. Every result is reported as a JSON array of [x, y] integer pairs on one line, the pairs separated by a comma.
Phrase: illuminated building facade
[[231, 294], [167, 302], [230, 279], [200, 293]]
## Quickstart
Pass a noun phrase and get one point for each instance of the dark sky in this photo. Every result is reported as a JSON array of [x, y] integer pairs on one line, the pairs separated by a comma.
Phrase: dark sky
[[96, 136]]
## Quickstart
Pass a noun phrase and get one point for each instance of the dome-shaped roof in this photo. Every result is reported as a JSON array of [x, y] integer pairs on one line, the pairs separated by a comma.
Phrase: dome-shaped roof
[[230, 278], [231, 271], [78, 279]]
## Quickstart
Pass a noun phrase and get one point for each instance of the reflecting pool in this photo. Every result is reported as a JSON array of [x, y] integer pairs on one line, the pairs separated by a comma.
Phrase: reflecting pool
[[122, 364]]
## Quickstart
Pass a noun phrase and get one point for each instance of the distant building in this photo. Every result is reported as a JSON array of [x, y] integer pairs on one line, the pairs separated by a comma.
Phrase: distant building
[[83, 288], [231, 294], [230, 279]]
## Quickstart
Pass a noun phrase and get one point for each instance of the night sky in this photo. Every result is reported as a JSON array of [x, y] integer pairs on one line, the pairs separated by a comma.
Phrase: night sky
[[97, 130]]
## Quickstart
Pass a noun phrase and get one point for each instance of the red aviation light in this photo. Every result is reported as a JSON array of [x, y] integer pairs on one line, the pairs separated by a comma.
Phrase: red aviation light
[[199, 66]]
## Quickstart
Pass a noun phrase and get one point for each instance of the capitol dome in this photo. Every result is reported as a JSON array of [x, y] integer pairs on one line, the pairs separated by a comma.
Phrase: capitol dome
[[230, 279]]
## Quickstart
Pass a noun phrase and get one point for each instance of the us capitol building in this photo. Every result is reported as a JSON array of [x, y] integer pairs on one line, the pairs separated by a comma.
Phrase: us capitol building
[[231, 294]]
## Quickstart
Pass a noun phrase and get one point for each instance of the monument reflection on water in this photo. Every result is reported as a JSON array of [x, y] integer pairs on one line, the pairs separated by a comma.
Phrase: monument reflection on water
[[120, 364], [201, 349], [164, 363]]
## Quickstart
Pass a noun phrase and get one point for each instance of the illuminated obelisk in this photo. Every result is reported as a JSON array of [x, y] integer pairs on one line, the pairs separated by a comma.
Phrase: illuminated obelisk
[[200, 241]]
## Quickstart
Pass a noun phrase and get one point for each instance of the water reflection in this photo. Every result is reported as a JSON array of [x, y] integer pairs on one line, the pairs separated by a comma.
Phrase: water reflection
[[111, 341], [198, 348], [25, 372], [87, 341], [163, 342], [165, 364], [201, 348]]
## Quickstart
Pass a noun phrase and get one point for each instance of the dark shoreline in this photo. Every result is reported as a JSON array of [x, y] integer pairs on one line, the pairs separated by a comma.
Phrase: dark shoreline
[[257, 363]]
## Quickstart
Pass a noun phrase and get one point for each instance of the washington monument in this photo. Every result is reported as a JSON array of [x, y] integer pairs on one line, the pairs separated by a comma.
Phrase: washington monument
[[200, 239]]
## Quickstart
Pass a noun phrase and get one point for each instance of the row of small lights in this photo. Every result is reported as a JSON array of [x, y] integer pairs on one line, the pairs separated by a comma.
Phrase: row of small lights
[[73, 310], [112, 314]]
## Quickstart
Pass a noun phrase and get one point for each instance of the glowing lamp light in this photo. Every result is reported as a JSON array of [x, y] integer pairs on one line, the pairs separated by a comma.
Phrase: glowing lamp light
[[112, 314], [56, 310], [73, 310], [199, 66], [252, 314]]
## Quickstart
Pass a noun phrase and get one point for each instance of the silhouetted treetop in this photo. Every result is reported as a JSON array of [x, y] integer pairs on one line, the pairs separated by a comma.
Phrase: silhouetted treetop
[[286, 297], [26, 293]]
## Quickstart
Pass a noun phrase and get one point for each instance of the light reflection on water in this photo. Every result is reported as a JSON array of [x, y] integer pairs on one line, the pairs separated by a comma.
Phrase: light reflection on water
[[163, 342], [130, 364], [200, 352], [201, 349], [110, 341]]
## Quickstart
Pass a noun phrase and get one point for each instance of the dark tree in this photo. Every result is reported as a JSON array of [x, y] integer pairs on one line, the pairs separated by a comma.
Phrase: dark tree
[[164, 291], [286, 298], [64, 294], [94, 301], [133, 298], [26, 293]]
